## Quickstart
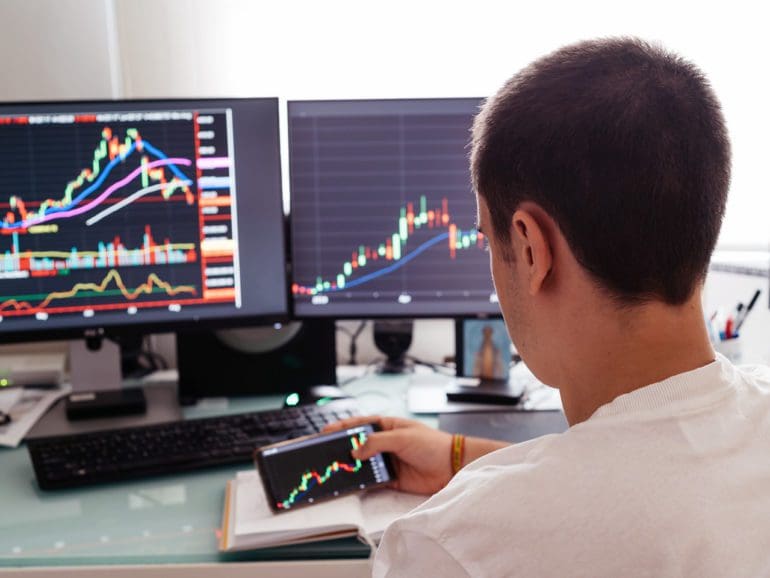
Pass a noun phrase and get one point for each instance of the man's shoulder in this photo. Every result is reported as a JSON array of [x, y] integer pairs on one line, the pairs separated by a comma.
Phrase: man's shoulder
[[522, 492]]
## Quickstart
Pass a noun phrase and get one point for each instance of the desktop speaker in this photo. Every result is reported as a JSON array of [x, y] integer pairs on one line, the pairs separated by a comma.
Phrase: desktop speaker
[[258, 360]]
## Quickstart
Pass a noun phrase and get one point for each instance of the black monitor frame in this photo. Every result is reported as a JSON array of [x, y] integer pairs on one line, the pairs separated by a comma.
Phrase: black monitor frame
[[130, 327], [446, 314]]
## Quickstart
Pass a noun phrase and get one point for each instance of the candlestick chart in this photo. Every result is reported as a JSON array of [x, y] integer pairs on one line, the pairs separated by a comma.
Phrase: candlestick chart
[[383, 213], [312, 478], [123, 211], [318, 468]]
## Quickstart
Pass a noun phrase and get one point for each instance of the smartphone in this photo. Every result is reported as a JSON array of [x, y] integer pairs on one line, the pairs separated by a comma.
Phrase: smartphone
[[319, 467]]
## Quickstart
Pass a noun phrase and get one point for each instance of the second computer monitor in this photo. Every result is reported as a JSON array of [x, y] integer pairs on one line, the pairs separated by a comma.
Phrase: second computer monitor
[[383, 213]]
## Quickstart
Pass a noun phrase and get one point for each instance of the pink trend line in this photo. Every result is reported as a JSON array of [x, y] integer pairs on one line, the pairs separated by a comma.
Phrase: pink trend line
[[111, 189], [213, 163]]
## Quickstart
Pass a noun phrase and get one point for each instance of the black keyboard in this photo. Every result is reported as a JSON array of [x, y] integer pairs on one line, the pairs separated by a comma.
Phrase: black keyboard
[[168, 448]]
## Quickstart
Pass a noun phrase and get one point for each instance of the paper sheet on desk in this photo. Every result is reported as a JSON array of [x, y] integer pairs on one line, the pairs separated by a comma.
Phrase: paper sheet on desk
[[9, 398], [25, 406]]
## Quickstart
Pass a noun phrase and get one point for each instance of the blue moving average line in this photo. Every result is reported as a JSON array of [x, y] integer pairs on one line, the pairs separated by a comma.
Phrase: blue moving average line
[[298, 497], [98, 182], [390, 268]]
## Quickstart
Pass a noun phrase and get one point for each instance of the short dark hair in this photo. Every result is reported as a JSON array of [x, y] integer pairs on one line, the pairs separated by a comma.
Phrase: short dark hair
[[625, 146]]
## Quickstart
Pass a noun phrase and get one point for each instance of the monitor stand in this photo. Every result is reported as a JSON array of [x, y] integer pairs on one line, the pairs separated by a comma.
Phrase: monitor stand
[[95, 371], [96, 375], [95, 368]]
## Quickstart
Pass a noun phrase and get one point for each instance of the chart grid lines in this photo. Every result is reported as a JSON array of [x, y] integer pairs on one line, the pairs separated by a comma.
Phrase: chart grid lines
[[383, 214]]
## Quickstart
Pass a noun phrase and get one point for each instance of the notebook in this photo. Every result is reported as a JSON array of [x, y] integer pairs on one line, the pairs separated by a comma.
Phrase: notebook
[[248, 523]]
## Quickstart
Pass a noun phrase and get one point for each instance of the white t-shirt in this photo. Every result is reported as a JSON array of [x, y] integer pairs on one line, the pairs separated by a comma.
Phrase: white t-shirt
[[672, 479]]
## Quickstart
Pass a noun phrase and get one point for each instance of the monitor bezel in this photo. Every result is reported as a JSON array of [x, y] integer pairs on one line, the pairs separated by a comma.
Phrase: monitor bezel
[[347, 316], [171, 325]]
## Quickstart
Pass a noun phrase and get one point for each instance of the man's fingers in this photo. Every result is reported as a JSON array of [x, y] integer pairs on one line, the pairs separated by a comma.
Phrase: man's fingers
[[351, 422], [385, 441], [385, 423]]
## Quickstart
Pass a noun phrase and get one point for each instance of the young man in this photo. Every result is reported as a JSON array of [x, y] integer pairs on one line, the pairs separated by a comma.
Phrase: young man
[[601, 172]]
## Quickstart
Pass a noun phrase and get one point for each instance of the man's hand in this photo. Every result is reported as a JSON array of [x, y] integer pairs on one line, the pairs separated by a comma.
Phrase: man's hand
[[420, 454]]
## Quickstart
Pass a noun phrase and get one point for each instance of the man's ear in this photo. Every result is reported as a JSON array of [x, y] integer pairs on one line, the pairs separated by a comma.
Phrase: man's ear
[[532, 246]]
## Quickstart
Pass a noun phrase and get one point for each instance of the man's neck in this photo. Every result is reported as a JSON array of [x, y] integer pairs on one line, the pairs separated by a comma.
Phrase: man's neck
[[629, 350]]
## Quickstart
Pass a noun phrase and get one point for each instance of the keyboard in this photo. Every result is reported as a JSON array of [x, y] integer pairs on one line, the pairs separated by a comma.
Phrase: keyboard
[[168, 448]]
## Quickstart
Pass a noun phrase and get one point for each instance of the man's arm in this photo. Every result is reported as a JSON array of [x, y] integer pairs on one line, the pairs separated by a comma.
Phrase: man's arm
[[477, 447]]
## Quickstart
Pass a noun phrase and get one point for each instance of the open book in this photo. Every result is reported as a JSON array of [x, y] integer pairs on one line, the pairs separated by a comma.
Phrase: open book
[[248, 523]]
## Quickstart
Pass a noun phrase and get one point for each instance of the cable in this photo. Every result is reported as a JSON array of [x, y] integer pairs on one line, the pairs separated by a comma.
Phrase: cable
[[368, 370], [353, 338], [345, 330], [160, 361], [437, 367]]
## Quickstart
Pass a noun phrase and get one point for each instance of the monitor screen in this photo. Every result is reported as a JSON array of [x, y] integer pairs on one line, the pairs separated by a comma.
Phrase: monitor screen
[[139, 213], [383, 211]]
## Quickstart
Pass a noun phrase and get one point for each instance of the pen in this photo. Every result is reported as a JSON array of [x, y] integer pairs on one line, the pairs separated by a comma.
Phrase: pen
[[747, 310], [729, 328], [738, 311], [720, 323]]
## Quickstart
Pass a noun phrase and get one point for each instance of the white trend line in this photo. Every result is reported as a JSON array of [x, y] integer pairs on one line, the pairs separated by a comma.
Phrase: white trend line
[[132, 197]]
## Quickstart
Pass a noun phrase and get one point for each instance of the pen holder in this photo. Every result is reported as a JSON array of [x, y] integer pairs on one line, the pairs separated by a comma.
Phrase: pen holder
[[731, 348]]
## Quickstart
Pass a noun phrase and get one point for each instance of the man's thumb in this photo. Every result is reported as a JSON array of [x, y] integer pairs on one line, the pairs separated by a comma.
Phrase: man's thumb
[[375, 444]]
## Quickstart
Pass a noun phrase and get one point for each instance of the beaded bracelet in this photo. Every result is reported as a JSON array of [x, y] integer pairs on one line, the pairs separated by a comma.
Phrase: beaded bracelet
[[458, 451]]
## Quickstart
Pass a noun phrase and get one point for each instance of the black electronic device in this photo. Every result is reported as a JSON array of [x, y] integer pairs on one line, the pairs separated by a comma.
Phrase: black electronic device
[[383, 212], [93, 404], [393, 338], [486, 392], [316, 468], [139, 216], [169, 448]]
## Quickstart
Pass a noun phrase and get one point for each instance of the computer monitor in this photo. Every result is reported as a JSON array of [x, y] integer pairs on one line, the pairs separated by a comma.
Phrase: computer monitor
[[139, 216], [382, 210]]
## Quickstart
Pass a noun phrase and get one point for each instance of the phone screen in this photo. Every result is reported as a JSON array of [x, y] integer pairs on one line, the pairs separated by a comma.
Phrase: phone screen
[[315, 468]]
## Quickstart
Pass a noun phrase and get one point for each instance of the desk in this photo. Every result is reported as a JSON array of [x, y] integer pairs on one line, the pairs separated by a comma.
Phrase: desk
[[113, 529]]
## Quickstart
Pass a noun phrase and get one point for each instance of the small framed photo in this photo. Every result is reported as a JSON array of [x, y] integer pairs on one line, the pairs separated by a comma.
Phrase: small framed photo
[[482, 349]]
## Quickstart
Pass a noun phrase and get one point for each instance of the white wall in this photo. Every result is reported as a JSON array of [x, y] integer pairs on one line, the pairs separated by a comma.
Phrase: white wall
[[55, 49]]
